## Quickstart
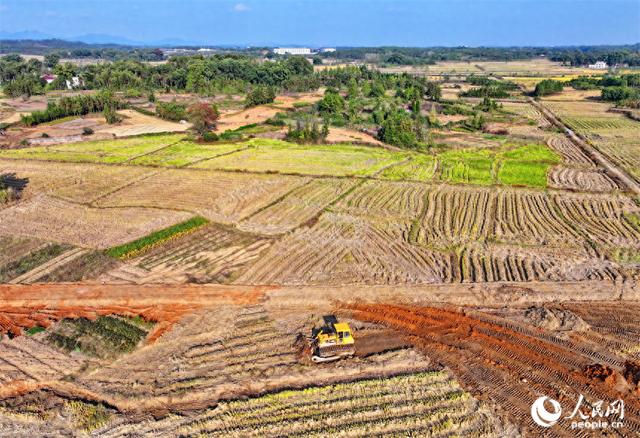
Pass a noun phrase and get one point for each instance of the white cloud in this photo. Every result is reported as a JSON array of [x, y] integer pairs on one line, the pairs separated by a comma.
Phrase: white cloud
[[241, 7]]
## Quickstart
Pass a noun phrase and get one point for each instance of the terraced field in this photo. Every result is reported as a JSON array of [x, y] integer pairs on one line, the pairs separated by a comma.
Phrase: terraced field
[[101, 151], [73, 182], [528, 111], [84, 226], [184, 153]]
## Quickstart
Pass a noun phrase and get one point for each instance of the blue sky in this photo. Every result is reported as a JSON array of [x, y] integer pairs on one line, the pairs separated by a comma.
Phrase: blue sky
[[334, 22]]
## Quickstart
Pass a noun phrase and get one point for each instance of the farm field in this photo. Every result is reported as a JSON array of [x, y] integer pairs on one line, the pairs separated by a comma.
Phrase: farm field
[[225, 197], [536, 67], [101, 151], [503, 346], [282, 157], [392, 233], [228, 377], [81, 225], [160, 285], [502, 162], [613, 134]]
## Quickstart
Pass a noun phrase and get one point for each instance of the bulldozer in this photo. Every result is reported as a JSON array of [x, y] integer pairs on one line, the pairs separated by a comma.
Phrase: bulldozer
[[332, 341]]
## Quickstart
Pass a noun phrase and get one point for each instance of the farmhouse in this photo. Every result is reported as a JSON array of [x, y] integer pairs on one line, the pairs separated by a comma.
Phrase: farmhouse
[[292, 51], [599, 65], [48, 78]]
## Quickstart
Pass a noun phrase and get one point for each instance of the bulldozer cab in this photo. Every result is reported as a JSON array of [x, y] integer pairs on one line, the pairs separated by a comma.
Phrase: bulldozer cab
[[332, 341]]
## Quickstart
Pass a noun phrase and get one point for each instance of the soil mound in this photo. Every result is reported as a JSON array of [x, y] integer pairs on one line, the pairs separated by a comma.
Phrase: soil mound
[[555, 319]]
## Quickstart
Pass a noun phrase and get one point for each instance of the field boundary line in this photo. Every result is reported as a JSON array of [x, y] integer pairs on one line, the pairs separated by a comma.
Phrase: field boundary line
[[135, 157], [124, 186], [275, 201], [186, 166]]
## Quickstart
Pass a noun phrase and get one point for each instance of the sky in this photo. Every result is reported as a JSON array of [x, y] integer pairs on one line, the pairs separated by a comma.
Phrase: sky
[[418, 23]]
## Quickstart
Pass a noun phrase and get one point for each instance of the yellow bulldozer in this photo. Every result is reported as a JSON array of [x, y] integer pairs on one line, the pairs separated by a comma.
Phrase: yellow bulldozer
[[332, 341]]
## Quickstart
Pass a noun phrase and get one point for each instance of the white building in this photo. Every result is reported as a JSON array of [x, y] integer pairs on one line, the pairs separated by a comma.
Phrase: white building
[[292, 51], [75, 82], [600, 65], [328, 50]]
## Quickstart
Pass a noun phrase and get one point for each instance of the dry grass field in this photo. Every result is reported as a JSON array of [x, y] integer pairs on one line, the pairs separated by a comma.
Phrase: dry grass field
[[62, 221], [225, 197]]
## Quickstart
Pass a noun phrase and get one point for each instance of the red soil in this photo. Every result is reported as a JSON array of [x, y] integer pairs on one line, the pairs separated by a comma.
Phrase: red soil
[[509, 364]]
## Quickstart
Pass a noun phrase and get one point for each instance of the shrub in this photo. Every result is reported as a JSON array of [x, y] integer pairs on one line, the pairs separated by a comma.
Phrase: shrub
[[173, 111], [87, 131], [331, 103], [210, 136], [401, 130], [110, 115], [260, 96], [617, 94], [548, 86], [308, 133], [45, 135]]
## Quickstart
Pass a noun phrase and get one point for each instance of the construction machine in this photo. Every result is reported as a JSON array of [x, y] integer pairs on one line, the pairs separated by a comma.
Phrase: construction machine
[[332, 341]]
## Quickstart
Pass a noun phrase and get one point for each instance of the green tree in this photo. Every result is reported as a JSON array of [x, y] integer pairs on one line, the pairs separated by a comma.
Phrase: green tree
[[51, 60], [260, 95], [332, 103], [400, 130]]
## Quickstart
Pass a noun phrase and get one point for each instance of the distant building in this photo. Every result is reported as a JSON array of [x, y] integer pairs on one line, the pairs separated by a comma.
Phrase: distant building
[[74, 82], [292, 51], [48, 78], [600, 65], [328, 50]]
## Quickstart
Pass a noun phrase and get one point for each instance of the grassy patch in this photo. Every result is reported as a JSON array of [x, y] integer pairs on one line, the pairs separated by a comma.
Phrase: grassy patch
[[184, 153], [34, 330], [267, 155], [420, 168], [15, 269], [101, 151], [136, 247], [88, 416], [517, 173], [472, 166], [106, 337]]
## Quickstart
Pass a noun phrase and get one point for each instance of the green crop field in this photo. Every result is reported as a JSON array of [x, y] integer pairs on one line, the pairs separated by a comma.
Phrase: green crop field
[[101, 151], [525, 165], [137, 246], [106, 337], [265, 155], [184, 153], [507, 163], [420, 168]]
